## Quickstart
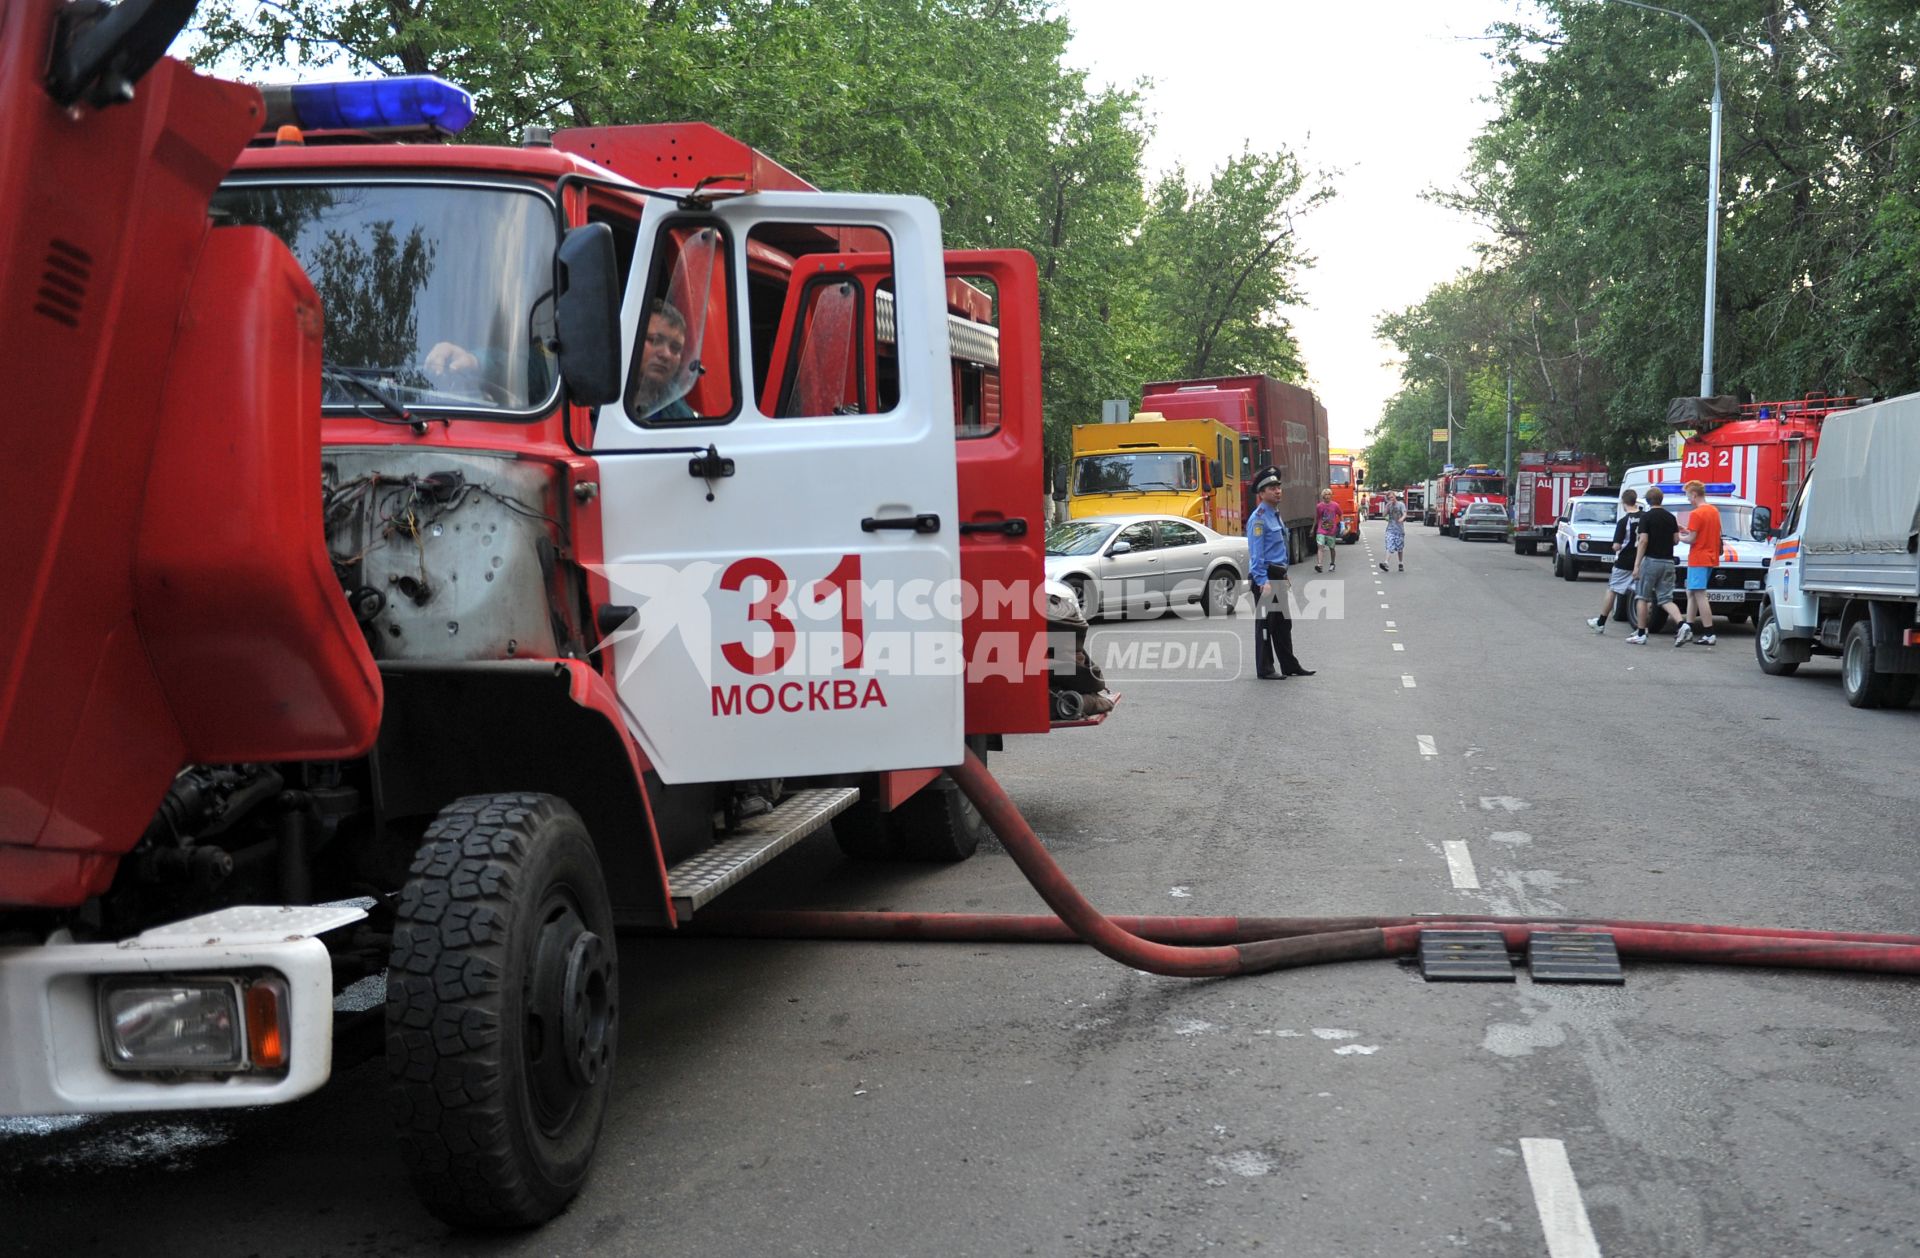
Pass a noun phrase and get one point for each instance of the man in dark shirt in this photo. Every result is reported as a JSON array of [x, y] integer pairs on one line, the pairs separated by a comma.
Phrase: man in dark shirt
[[1653, 565], [1626, 545]]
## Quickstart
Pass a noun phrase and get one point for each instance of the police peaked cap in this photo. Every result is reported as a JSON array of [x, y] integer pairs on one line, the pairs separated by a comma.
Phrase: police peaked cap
[[1268, 476]]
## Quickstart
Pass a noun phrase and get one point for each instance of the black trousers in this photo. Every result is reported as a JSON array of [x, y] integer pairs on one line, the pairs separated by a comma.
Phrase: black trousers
[[1273, 635]]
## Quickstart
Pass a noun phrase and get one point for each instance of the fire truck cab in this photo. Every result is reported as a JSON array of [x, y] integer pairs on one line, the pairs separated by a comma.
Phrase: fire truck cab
[[490, 547], [1460, 487], [1344, 478]]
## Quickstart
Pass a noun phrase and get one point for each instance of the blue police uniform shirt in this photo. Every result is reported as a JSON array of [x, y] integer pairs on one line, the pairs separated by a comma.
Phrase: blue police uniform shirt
[[1266, 543]]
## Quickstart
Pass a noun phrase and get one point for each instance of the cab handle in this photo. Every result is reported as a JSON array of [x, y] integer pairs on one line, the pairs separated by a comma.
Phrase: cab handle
[[1015, 527], [925, 522]]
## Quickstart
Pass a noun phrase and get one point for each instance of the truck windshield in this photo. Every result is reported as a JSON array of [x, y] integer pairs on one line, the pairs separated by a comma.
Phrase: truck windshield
[[435, 296], [1145, 471], [1077, 537], [1735, 522], [1479, 485], [1339, 474]]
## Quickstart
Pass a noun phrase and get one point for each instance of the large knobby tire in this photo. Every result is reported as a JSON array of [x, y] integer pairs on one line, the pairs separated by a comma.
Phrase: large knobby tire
[[1864, 687], [502, 1010], [1767, 644], [937, 823]]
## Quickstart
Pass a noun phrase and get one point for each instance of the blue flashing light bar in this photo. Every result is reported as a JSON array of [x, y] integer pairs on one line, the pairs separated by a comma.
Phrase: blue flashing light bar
[[408, 103], [1722, 488]]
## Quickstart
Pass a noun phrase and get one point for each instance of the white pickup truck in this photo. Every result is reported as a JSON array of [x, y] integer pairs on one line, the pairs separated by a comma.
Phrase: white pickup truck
[[1845, 578]]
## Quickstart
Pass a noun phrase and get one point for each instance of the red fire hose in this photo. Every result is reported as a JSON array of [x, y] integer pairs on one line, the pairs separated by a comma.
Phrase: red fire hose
[[1205, 947]]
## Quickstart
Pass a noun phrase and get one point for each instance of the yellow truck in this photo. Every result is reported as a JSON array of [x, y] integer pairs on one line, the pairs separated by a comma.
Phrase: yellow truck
[[1152, 465]]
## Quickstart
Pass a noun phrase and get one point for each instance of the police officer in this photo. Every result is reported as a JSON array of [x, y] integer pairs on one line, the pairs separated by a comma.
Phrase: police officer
[[1267, 573]]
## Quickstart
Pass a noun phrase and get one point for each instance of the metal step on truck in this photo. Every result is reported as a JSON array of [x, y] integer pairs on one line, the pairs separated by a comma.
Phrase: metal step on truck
[[428, 558], [1845, 576]]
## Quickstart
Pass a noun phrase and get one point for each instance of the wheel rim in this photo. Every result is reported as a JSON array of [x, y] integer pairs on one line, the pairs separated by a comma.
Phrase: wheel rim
[[571, 1012], [1856, 665], [1222, 591], [1770, 640], [1079, 589]]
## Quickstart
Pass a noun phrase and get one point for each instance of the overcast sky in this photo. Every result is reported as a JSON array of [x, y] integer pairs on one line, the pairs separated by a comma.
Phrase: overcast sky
[[1388, 91]]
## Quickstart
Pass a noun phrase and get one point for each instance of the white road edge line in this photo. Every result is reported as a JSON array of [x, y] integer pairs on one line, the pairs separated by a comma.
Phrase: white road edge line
[[1556, 1195], [1406, 681], [1425, 742], [1460, 865]]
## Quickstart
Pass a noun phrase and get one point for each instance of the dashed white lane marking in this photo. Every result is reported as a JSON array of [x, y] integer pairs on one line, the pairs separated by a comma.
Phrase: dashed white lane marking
[[1383, 607], [1556, 1195], [1425, 742], [1460, 865], [1406, 681], [1390, 624], [1399, 646]]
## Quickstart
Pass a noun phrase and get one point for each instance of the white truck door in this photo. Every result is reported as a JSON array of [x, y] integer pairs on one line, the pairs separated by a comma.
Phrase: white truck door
[[1793, 609], [794, 581]]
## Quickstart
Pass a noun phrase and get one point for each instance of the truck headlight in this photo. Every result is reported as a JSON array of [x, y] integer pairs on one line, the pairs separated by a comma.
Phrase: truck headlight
[[203, 1024]]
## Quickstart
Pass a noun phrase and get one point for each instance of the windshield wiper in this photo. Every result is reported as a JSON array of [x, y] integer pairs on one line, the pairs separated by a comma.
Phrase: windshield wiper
[[358, 378]]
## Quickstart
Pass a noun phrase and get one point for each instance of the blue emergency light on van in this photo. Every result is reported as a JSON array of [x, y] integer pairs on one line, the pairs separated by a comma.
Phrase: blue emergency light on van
[[1723, 489], [418, 102]]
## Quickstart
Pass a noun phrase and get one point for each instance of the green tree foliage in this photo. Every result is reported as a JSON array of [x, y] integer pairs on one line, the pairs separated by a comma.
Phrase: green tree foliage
[[1592, 179], [967, 102], [1226, 258]]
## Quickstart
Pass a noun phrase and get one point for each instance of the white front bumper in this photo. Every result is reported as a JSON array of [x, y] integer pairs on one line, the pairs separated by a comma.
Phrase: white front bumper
[[50, 1023]]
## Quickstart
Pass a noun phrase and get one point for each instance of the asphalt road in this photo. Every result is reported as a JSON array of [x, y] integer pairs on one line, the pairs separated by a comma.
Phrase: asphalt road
[[880, 1099]]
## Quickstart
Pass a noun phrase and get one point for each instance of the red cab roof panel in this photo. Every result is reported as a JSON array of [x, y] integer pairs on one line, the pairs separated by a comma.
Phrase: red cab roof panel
[[680, 155]]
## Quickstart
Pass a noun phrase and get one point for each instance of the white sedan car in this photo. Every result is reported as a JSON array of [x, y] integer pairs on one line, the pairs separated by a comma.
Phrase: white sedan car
[[1121, 564]]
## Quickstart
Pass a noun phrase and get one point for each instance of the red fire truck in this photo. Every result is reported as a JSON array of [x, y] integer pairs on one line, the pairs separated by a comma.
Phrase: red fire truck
[[1280, 425], [428, 558], [1461, 486], [1764, 451], [1545, 485]]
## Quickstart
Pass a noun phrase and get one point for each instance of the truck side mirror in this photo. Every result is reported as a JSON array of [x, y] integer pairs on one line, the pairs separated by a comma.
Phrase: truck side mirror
[[1060, 482], [1762, 523], [1266, 458], [587, 315], [1216, 477]]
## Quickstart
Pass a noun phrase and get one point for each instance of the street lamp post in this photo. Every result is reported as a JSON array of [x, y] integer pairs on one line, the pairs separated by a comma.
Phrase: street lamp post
[[1713, 195], [1449, 362]]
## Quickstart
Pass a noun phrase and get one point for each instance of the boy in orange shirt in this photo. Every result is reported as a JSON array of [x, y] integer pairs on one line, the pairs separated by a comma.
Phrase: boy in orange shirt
[[1703, 554]]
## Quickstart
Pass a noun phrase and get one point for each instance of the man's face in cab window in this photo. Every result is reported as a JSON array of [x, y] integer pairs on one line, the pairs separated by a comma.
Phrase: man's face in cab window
[[666, 349]]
